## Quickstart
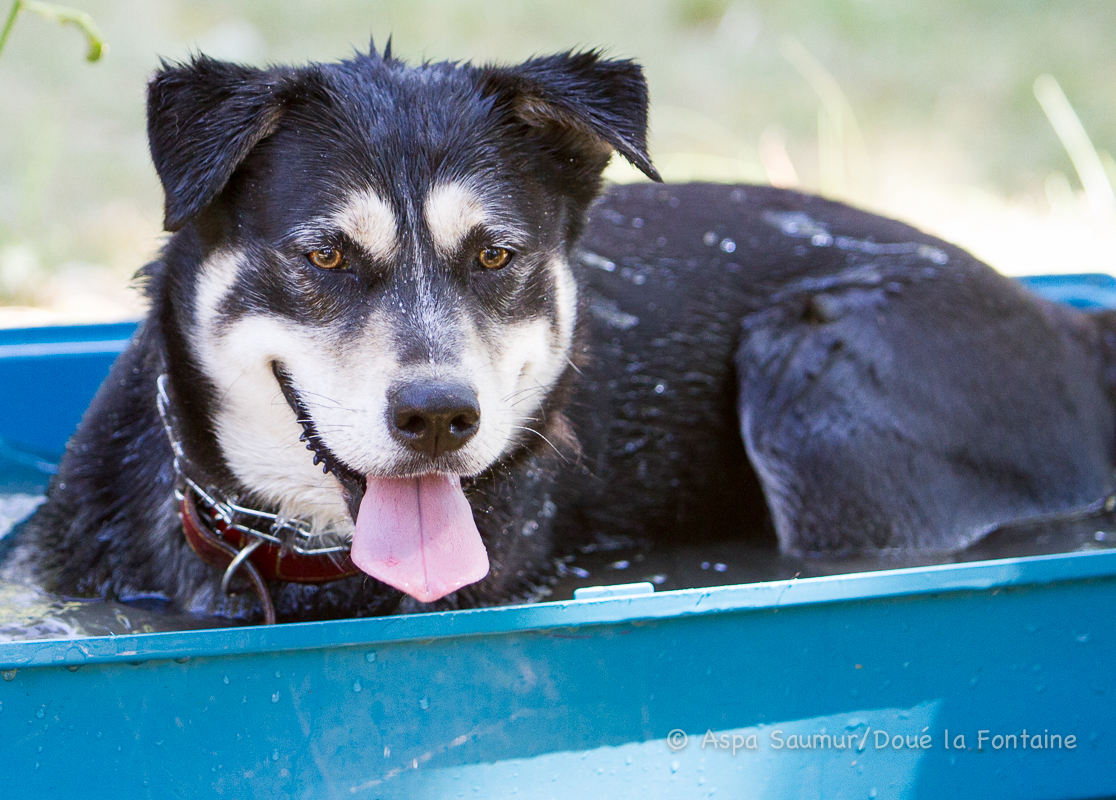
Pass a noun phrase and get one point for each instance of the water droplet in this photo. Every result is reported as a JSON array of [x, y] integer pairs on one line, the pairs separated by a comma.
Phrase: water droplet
[[226, 680], [73, 667], [621, 564], [278, 674], [728, 246], [275, 697], [674, 765], [8, 674], [41, 712], [660, 388], [370, 656], [710, 238], [720, 567], [356, 686], [424, 704], [274, 755], [658, 580]]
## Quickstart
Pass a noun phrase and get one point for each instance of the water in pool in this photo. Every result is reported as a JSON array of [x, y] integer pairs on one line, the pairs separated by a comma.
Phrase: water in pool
[[29, 613]]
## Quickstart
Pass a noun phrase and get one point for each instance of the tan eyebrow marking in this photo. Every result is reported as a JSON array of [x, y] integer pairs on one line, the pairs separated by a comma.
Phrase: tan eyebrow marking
[[452, 211], [369, 221]]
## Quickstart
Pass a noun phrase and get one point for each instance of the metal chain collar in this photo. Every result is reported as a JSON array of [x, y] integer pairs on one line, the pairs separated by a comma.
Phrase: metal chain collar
[[290, 533]]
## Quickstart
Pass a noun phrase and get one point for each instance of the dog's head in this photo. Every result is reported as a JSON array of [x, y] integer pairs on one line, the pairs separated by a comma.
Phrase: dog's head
[[379, 266]]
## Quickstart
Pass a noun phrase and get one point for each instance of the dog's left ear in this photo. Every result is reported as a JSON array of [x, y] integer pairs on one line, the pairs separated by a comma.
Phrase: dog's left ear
[[579, 102]]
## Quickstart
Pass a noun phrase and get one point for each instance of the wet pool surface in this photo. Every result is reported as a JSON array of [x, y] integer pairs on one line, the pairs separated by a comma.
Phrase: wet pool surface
[[28, 613], [729, 563]]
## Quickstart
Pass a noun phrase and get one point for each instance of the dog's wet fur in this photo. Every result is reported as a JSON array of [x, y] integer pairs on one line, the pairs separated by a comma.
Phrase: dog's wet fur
[[670, 363]]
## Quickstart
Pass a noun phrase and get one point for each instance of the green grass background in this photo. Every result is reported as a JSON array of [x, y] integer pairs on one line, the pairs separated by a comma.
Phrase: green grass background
[[941, 91]]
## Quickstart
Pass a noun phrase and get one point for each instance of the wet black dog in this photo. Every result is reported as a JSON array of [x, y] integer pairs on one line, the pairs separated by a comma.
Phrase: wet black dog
[[397, 274]]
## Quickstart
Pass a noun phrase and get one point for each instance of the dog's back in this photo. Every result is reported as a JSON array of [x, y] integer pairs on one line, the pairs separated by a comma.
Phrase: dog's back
[[891, 392]]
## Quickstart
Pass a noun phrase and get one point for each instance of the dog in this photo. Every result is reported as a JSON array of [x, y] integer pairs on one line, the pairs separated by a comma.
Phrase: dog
[[402, 351]]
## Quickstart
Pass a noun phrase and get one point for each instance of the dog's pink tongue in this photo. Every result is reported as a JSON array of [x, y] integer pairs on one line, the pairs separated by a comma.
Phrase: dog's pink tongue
[[418, 535]]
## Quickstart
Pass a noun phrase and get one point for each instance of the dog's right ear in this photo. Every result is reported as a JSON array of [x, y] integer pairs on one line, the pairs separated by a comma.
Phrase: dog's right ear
[[203, 118]]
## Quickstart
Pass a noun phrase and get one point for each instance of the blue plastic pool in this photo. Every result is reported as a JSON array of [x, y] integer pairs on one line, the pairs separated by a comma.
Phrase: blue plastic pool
[[897, 684]]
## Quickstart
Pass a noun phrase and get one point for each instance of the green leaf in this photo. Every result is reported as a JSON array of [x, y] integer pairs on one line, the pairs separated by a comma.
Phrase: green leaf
[[63, 15]]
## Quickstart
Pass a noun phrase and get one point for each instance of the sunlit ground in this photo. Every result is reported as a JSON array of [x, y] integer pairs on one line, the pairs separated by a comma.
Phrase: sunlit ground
[[927, 111]]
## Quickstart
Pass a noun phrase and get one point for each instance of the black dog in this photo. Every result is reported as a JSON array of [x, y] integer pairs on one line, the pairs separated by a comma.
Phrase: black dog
[[397, 274]]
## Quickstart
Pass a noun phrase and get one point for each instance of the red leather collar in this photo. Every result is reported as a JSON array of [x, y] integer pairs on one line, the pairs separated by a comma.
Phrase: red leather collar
[[218, 545]]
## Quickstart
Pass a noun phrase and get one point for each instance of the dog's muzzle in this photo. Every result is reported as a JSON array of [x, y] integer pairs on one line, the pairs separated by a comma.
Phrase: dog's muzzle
[[414, 533]]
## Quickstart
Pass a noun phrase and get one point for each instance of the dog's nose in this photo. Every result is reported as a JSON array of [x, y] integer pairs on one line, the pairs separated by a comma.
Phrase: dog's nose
[[433, 417]]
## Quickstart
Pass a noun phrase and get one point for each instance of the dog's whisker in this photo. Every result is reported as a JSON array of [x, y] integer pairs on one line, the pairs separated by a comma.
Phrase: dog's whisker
[[536, 388], [325, 400], [525, 398], [537, 433]]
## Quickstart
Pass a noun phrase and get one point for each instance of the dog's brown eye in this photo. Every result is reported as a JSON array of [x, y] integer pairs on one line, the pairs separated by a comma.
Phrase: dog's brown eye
[[326, 258], [494, 257]]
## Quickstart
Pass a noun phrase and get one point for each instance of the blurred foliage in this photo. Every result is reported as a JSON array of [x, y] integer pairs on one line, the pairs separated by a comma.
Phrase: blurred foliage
[[940, 90], [64, 15]]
